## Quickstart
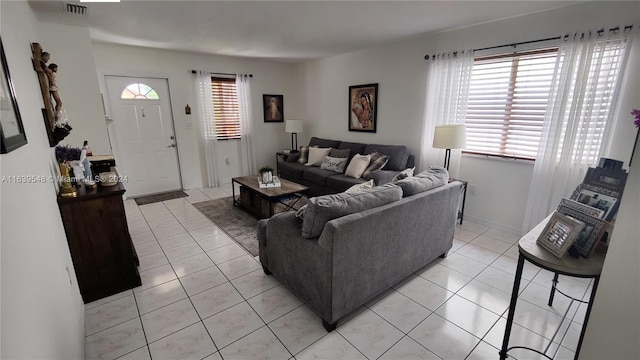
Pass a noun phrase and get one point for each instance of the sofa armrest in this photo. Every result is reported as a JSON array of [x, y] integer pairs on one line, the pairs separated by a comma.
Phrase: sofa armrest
[[381, 177]]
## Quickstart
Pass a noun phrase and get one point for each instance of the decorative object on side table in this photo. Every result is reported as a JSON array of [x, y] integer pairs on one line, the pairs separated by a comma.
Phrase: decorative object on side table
[[451, 136], [363, 107], [65, 154], [293, 127], [273, 108], [266, 174], [559, 234], [590, 234], [11, 129]]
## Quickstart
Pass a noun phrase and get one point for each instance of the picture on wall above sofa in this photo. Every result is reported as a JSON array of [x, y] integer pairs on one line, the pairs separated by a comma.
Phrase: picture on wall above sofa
[[363, 107], [273, 108]]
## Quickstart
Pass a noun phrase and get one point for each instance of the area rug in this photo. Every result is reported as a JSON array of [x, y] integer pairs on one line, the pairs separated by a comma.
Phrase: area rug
[[143, 200], [237, 223]]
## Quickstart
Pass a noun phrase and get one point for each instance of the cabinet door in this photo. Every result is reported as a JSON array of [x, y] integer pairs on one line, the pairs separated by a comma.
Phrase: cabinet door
[[100, 246]]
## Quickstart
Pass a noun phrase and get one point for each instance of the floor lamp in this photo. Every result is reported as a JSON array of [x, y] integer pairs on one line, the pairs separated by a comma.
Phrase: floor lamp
[[453, 136], [294, 127]]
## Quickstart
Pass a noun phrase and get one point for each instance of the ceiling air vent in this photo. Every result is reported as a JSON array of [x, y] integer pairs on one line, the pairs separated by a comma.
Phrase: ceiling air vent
[[76, 9]]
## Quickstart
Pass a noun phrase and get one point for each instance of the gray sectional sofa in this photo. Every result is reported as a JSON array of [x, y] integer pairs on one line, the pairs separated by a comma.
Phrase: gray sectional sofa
[[352, 247], [321, 182]]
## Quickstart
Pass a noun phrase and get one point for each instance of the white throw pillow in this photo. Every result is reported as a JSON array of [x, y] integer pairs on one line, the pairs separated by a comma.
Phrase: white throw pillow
[[316, 155], [358, 165], [360, 187]]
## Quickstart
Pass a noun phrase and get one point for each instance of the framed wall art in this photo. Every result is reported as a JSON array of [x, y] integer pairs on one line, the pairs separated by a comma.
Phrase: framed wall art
[[363, 107], [273, 106], [559, 234], [11, 129], [590, 233]]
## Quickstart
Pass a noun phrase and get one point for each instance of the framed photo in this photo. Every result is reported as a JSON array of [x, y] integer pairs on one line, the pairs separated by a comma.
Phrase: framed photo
[[583, 208], [12, 134], [273, 106], [559, 234], [590, 234], [588, 195], [363, 107], [609, 179]]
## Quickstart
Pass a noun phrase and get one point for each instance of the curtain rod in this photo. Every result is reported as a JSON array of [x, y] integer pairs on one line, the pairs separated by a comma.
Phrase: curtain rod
[[215, 73], [600, 32]]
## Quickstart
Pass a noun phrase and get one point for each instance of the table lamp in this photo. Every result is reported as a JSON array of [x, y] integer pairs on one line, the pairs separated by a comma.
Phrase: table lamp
[[294, 127], [453, 136]]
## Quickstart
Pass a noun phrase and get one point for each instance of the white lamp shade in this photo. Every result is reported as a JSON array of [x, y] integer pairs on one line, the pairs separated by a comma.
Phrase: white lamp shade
[[452, 136], [293, 126]]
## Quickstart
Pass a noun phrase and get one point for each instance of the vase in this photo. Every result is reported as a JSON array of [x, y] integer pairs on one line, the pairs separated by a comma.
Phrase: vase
[[267, 177]]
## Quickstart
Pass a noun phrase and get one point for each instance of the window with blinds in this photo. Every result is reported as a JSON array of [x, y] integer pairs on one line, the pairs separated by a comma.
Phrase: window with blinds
[[508, 97], [225, 108]]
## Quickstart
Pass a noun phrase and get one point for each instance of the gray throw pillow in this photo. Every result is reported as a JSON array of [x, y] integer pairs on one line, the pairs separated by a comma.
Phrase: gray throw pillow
[[378, 161], [304, 153], [328, 207], [339, 153], [334, 164], [406, 173], [435, 177]]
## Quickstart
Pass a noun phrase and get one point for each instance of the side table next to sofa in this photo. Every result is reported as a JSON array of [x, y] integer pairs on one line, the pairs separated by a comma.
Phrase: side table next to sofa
[[529, 250]]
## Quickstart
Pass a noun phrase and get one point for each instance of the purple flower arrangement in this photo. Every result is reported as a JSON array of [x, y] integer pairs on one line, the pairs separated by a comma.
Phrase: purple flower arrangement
[[636, 114], [67, 153]]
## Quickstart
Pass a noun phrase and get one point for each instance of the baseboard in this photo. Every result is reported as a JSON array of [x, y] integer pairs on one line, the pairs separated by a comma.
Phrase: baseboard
[[492, 224]]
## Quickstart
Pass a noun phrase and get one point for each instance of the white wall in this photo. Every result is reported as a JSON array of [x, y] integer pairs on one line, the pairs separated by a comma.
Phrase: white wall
[[70, 49], [41, 307], [268, 78], [401, 71], [617, 303]]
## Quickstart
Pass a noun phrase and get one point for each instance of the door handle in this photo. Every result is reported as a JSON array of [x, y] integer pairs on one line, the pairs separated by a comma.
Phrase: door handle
[[172, 145]]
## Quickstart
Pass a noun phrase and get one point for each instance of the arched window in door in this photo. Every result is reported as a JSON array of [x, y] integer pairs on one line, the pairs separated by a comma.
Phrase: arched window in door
[[139, 91]]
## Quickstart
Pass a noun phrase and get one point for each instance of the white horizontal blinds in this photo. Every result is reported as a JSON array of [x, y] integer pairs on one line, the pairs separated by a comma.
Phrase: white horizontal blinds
[[507, 102], [592, 97], [225, 108]]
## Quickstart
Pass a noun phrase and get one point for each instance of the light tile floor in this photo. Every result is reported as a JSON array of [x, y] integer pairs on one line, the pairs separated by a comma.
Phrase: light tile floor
[[204, 297]]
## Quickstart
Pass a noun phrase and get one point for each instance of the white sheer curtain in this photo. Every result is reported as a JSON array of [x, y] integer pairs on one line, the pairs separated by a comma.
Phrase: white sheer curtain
[[578, 119], [246, 132], [447, 92], [207, 125]]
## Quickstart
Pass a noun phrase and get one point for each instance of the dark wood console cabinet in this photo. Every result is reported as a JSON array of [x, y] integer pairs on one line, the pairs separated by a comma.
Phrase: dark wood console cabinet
[[103, 255]]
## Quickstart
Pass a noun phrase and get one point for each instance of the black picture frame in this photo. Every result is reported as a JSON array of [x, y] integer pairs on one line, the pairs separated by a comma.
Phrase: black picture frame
[[590, 234], [273, 108], [613, 180], [361, 99], [11, 128]]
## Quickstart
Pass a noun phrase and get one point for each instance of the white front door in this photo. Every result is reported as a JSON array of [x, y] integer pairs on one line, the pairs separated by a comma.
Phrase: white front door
[[144, 134]]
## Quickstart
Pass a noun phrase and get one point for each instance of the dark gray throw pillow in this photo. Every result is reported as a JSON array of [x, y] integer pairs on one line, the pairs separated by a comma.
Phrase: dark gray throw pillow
[[378, 161], [339, 153]]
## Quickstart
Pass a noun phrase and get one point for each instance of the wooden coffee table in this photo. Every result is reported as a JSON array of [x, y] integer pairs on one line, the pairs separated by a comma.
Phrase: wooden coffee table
[[260, 201]]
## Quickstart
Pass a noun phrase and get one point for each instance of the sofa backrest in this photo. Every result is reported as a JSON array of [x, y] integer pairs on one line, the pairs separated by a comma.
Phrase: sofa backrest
[[398, 155], [325, 208], [324, 143]]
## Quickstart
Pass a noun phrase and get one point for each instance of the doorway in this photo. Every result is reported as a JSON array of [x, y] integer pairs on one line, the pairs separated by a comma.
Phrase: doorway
[[144, 134]]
